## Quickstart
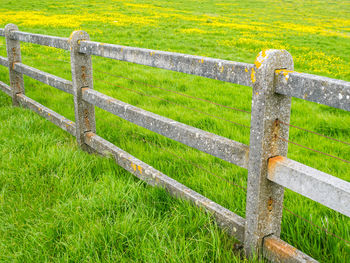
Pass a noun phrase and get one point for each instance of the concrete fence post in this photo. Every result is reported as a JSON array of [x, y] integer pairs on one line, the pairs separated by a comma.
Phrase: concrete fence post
[[13, 48], [81, 67], [264, 198]]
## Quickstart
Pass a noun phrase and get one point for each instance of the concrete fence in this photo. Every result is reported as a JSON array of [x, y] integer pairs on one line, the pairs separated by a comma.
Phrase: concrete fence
[[269, 170]]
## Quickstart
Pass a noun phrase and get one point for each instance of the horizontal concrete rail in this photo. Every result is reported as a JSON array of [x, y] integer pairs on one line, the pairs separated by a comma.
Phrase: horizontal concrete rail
[[233, 223], [48, 114], [49, 79], [4, 61], [50, 41], [331, 92], [235, 72], [223, 148], [5, 88], [316, 185], [276, 250]]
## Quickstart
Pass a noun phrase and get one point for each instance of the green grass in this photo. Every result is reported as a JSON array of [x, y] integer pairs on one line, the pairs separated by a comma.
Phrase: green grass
[[61, 204]]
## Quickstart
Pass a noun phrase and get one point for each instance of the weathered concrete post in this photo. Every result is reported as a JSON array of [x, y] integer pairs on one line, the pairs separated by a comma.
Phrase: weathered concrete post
[[81, 66], [13, 48], [265, 198]]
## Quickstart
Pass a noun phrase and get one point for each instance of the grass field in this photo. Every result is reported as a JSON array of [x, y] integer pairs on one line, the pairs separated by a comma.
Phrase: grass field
[[60, 204]]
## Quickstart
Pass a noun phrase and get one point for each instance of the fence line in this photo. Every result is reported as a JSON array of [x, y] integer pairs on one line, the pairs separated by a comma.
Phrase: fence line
[[317, 226], [223, 148], [192, 163], [173, 91], [316, 133], [269, 171], [313, 150], [153, 86], [171, 102], [236, 185]]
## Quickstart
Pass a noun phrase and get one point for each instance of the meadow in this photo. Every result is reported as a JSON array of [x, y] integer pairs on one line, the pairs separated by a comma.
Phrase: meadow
[[58, 203]]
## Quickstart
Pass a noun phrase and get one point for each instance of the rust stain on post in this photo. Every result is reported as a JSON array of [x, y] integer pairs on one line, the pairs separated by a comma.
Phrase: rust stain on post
[[14, 56], [86, 119], [89, 135], [269, 204], [83, 73], [275, 133], [272, 162], [276, 127]]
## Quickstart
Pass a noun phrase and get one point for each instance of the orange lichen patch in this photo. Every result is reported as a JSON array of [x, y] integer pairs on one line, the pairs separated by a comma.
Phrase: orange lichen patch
[[272, 162], [284, 72], [139, 168], [260, 58], [279, 248], [246, 70], [133, 166], [257, 63], [252, 75]]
